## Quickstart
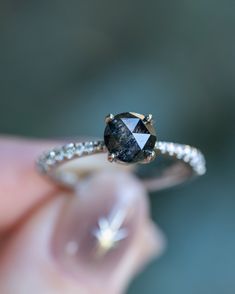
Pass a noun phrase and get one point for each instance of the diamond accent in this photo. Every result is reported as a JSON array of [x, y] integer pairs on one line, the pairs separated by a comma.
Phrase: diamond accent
[[88, 147], [59, 154], [79, 149], [51, 159], [188, 154], [69, 150]]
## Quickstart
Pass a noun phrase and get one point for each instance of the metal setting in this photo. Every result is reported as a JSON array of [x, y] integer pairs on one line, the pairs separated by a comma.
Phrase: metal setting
[[151, 156], [148, 119], [112, 157], [109, 118]]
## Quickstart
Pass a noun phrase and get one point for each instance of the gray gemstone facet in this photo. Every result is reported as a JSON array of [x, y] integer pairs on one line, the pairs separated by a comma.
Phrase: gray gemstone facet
[[129, 137]]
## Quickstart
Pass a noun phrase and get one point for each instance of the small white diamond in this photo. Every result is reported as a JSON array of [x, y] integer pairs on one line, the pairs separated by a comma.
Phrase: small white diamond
[[50, 158], [179, 151], [200, 169], [195, 160], [194, 152], [89, 147], [69, 150], [187, 153], [171, 149], [79, 149], [59, 154], [162, 146]]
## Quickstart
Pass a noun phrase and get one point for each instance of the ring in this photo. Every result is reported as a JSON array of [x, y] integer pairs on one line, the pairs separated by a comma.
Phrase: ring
[[130, 139]]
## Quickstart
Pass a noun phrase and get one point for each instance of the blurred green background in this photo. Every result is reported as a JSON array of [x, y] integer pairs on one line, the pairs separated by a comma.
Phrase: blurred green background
[[66, 64]]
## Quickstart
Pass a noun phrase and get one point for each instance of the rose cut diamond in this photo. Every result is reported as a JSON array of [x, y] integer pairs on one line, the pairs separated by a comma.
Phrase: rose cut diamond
[[130, 137]]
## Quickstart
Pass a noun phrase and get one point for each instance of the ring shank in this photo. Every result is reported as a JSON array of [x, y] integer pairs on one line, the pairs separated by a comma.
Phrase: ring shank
[[174, 164]]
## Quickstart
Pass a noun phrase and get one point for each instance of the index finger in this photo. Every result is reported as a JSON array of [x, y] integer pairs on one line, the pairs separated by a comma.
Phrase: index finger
[[20, 186]]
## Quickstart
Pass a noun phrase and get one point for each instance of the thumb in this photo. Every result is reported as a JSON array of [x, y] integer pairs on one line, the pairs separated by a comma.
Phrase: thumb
[[93, 242]]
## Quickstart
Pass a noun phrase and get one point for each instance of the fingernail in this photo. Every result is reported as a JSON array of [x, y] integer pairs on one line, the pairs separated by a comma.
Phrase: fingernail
[[98, 227]]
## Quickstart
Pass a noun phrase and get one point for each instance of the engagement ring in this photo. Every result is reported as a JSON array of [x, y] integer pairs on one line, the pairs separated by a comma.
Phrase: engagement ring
[[130, 140]]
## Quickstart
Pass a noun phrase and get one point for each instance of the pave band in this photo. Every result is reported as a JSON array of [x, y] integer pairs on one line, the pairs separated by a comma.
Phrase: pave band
[[184, 162]]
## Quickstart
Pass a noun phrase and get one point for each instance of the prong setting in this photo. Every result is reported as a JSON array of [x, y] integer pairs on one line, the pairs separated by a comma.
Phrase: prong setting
[[109, 118], [151, 156], [148, 119], [112, 157]]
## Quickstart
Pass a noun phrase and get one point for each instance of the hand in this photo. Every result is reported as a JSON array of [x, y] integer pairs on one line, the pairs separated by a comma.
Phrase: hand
[[56, 242]]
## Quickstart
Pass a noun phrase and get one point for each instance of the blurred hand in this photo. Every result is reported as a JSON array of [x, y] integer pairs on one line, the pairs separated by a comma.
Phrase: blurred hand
[[54, 242]]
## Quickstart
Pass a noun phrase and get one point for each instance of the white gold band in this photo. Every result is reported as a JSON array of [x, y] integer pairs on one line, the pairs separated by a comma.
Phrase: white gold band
[[188, 157]]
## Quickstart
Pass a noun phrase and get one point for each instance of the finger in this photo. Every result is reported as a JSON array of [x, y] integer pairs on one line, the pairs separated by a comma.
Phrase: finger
[[20, 185], [67, 246]]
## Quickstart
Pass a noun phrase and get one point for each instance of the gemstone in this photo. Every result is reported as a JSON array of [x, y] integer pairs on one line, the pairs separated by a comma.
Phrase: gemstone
[[69, 150], [129, 137], [89, 147], [79, 149]]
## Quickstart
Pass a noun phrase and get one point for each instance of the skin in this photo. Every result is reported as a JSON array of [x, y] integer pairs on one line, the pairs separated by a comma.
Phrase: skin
[[30, 210]]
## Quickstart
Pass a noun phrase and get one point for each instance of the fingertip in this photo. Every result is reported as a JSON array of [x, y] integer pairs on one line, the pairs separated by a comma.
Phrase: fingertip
[[20, 185], [58, 248]]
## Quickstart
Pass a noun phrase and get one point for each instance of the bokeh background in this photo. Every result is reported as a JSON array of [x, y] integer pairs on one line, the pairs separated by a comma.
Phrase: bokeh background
[[66, 64]]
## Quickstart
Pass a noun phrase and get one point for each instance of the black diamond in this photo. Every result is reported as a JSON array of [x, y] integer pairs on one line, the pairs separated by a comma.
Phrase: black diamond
[[129, 137]]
